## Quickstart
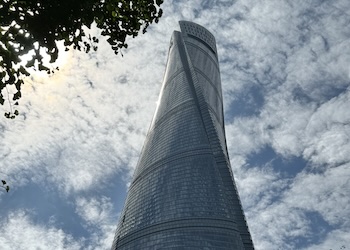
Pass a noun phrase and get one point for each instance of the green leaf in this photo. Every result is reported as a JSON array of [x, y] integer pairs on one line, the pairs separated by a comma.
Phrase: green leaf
[[30, 63], [24, 71], [17, 95], [2, 100], [43, 67], [39, 28]]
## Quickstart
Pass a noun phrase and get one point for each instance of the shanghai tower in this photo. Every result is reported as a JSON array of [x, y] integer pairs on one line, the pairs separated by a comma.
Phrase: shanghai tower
[[183, 194]]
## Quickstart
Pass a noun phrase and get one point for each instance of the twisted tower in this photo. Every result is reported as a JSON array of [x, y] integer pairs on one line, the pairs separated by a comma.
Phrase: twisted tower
[[183, 194]]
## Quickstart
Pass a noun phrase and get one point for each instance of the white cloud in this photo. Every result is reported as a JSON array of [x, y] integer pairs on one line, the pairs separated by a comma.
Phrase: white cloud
[[328, 132], [98, 213], [88, 122], [19, 231], [336, 240], [94, 211], [325, 193], [277, 225]]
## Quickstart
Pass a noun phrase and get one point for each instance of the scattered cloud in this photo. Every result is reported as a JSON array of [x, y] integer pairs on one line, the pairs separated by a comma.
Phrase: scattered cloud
[[19, 231], [285, 75]]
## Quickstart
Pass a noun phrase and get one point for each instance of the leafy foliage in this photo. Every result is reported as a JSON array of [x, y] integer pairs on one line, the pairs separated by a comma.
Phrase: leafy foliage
[[34, 25], [4, 186]]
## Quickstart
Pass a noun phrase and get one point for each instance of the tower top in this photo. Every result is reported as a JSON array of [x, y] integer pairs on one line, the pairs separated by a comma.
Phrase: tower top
[[197, 31]]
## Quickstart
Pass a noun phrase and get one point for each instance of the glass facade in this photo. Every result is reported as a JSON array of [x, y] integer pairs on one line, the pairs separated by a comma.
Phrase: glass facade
[[183, 194]]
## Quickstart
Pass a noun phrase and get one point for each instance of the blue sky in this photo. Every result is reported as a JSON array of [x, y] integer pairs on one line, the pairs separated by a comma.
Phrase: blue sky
[[285, 69]]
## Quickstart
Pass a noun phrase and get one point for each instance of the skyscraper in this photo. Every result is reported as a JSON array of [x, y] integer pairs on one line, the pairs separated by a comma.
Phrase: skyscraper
[[183, 194]]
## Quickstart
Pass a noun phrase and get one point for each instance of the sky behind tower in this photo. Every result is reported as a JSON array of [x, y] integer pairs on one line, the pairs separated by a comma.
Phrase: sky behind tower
[[285, 70]]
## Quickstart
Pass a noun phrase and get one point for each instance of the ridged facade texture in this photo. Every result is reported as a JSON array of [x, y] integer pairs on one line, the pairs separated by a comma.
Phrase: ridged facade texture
[[183, 194]]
